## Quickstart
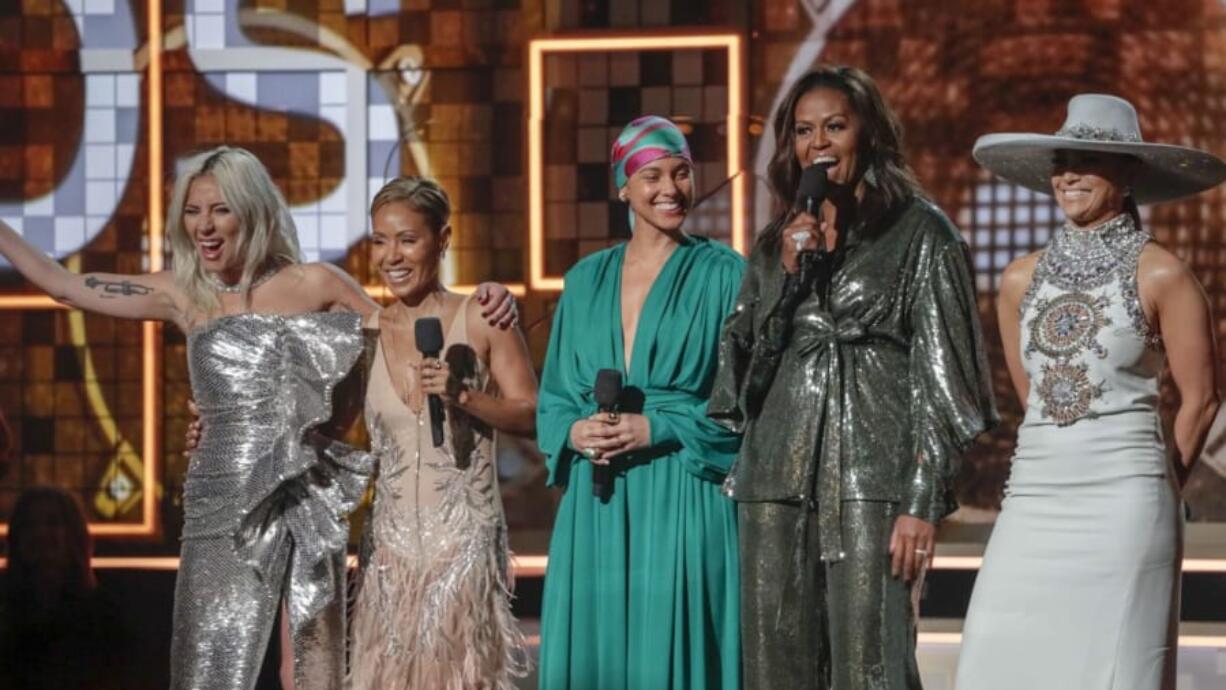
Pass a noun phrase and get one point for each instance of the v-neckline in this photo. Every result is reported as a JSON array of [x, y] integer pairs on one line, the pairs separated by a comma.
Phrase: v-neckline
[[387, 366], [624, 364]]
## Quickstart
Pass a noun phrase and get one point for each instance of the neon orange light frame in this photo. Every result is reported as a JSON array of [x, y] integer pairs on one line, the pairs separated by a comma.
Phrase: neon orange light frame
[[151, 332], [537, 49]]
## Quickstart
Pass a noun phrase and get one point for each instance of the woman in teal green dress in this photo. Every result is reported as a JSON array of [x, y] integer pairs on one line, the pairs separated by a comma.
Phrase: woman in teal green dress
[[642, 586]]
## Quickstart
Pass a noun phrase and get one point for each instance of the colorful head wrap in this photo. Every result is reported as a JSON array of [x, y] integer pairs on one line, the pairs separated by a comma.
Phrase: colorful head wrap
[[646, 139]]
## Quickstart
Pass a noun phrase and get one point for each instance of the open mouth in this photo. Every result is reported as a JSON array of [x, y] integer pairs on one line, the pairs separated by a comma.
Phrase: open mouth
[[668, 207], [210, 249], [825, 160], [398, 276]]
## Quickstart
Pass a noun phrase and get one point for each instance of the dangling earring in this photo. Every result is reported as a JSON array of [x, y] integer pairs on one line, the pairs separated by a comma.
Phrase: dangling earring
[[870, 176]]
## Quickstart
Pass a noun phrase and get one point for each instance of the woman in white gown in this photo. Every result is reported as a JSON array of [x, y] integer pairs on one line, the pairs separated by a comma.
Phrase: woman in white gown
[[1079, 588]]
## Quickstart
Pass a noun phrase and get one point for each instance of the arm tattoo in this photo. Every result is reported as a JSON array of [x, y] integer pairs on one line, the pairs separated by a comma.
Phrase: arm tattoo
[[117, 288]]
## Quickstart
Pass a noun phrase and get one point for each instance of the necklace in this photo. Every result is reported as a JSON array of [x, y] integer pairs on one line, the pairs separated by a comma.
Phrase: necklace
[[1085, 259], [215, 282]]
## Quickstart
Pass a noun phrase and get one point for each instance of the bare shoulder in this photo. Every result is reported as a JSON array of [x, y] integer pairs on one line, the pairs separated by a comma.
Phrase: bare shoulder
[[477, 325], [336, 288], [1017, 276], [316, 273], [1160, 270]]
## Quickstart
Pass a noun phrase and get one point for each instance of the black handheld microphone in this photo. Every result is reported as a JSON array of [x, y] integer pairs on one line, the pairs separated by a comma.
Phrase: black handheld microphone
[[812, 189], [607, 392], [429, 335]]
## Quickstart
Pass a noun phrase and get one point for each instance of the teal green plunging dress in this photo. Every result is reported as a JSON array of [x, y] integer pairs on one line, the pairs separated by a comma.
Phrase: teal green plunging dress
[[642, 589]]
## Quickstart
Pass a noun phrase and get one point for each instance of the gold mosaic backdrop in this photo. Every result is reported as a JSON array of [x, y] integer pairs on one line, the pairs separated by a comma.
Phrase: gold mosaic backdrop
[[439, 87]]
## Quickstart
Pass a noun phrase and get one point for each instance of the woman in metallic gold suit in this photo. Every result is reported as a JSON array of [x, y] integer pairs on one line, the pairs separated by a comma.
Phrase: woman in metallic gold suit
[[854, 365], [269, 338]]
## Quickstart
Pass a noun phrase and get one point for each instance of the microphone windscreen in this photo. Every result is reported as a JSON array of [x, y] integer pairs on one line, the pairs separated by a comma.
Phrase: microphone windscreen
[[429, 335], [608, 388], [812, 184]]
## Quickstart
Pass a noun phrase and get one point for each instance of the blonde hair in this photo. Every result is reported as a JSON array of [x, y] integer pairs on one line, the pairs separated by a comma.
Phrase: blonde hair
[[422, 194], [266, 239]]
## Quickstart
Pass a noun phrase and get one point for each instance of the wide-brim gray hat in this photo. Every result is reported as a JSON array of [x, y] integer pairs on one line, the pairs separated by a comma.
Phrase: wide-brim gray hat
[[1097, 122]]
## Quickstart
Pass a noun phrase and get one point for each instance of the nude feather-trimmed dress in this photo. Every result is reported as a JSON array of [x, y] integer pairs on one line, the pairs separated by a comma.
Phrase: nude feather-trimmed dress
[[433, 609]]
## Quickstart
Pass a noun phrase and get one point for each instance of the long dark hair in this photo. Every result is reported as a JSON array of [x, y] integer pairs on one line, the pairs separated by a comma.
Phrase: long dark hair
[[22, 575], [880, 147]]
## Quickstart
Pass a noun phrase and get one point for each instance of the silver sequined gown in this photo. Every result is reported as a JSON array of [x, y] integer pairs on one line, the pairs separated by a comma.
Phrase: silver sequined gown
[[1079, 588], [433, 609], [266, 499]]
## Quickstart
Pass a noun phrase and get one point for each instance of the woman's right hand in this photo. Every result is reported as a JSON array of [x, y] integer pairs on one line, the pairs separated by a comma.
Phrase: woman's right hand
[[593, 433], [792, 240]]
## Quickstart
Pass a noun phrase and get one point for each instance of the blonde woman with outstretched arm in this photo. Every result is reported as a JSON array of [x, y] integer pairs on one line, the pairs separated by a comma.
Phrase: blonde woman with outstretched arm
[[266, 494]]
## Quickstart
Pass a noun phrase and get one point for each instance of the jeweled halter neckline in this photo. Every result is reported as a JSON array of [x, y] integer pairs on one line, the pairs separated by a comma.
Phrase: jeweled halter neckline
[[1087, 258]]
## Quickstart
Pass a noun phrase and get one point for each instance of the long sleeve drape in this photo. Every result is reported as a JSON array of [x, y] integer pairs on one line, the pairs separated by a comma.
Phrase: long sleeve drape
[[671, 374], [872, 394]]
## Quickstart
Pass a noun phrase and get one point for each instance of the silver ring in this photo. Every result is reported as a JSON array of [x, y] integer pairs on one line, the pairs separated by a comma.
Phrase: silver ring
[[922, 552], [799, 239], [589, 453]]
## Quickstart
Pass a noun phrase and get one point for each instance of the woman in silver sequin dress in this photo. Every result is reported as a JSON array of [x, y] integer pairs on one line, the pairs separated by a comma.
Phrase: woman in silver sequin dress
[[433, 607], [269, 338], [1079, 588]]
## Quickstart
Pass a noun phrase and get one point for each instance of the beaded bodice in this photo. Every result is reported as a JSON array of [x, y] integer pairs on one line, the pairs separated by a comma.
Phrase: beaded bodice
[[1087, 346]]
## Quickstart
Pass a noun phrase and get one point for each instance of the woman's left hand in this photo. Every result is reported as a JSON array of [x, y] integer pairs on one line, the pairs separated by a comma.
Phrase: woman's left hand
[[436, 379], [630, 431], [498, 305], [911, 545]]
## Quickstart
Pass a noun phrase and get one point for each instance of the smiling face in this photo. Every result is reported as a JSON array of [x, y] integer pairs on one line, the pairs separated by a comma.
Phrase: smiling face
[[407, 250], [661, 192], [1090, 186], [827, 130], [214, 228]]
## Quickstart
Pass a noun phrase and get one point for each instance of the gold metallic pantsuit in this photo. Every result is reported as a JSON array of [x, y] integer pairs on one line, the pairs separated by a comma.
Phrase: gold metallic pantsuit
[[818, 624], [857, 398]]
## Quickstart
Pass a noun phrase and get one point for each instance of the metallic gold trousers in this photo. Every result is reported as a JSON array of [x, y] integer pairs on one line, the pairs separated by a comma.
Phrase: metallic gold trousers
[[809, 624]]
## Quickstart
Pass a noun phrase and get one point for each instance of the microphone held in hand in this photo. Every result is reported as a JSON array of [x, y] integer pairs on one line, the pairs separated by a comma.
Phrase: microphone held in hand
[[607, 392], [812, 189], [429, 335], [816, 268]]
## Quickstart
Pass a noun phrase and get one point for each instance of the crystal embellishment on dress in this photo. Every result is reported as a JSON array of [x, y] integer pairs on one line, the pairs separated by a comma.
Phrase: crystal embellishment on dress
[[1067, 392], [1068, 325], [1081, 262]]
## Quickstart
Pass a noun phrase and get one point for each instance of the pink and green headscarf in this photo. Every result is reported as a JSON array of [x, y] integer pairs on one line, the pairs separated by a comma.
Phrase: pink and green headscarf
[[646, 139]]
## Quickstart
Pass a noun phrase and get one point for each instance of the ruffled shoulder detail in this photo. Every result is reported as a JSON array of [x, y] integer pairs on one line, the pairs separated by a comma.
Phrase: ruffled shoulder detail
[[296, 504]]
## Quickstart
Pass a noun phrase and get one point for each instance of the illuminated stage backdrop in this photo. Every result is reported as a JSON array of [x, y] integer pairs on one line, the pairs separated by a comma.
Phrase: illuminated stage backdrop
[[338, 95]]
